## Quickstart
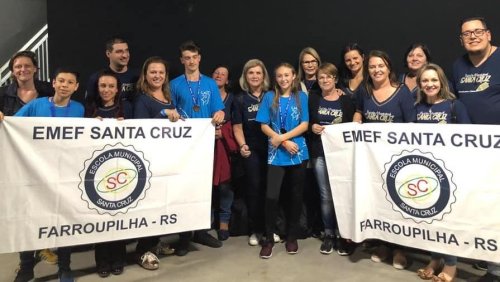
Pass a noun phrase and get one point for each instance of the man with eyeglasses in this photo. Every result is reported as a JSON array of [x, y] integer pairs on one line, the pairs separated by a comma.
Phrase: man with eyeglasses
[[476, 80]]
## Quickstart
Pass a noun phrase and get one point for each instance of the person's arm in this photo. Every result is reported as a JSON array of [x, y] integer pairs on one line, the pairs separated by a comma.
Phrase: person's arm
[[358, 117]]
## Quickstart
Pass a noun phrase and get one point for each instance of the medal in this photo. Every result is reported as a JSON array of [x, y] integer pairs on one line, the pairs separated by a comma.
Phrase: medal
[[196, 108], [282, 131]]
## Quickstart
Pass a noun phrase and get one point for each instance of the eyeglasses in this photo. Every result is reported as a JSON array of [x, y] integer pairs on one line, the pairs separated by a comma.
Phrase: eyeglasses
[[313, 62], [476, 32]]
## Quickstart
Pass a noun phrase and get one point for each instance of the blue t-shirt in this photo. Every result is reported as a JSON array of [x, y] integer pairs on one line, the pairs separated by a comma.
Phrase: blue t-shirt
[[399, 107], [147, 106], [442, 112], [205, 92], [245, 110], [289, 116], [479, 88], [128, 80], [44, 107]]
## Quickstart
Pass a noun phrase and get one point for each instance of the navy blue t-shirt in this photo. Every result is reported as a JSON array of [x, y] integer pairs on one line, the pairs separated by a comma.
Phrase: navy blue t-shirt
[[479, 88], [108, 112], [228, 106], [442, 112], [245, 110], [399, 107], [146, 106]]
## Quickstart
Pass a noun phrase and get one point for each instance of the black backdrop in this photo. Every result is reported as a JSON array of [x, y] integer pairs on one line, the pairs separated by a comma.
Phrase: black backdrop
[[231, 32]]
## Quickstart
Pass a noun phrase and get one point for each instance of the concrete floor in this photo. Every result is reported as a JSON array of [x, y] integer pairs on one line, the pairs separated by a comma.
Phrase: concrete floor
[[237, 261]]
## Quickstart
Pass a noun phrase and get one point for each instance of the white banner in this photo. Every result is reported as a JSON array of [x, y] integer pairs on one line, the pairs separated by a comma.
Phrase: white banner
[[429, 186], [74, 181]]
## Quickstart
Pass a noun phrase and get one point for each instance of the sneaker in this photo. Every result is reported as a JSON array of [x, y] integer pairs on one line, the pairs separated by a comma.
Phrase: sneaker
[[267, 250], [481, 265], [164, 249], [345, 248], [292, 247], [47, 256], [399, 259], [66, 276], [149, 261], [202, 237], [253, 240], [327, 245], [222, 235], [276, 238], [25, 276], [488, 277], [380, 254]]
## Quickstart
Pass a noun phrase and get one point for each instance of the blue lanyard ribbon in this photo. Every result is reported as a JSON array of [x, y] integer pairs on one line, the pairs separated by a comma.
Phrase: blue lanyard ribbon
[[193, 96]]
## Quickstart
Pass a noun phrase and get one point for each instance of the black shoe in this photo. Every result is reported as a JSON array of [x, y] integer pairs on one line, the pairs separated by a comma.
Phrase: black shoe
[[222, 235], [344, 247], [24, 276], [481, 265], [327, 245], [117, 270], [202, 237], [182, 248], [488, 277]]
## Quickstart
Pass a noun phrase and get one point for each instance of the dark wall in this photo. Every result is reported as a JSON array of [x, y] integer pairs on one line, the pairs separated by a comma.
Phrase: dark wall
[[232, 32], [19, 21]]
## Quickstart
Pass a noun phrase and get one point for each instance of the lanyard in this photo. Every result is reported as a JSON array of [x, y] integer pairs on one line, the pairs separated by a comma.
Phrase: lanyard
[[283, 115], [53, 108], [193, 96]]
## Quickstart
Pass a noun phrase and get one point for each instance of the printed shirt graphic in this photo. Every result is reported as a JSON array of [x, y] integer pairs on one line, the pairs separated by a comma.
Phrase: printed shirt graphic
[[397, 108], [329, 112], [207, 96], [246, 106], [280, 156], [441, 112], [479, 88]]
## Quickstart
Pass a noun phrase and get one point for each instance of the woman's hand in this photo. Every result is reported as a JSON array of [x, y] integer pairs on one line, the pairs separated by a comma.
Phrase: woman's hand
[[291, 147], [317, 129], [172, 115], [245, 151], [276, 140]]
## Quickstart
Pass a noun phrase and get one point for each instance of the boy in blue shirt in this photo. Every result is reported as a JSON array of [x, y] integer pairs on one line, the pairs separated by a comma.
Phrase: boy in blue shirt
[[65, 84]]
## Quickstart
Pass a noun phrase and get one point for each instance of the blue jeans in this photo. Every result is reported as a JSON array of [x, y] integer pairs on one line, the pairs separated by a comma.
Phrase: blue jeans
[[325, 194], [224, 200], [255, 188]]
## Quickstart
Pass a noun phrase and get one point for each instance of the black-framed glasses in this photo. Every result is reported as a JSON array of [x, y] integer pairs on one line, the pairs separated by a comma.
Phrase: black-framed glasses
[[476, 32]]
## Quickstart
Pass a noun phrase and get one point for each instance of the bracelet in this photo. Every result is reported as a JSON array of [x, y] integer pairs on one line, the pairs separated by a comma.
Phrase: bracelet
[[241, 147], [283, 143]]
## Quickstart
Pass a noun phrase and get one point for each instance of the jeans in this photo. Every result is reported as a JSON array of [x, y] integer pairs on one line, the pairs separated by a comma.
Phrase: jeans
[[224, 200], [276, 175], [63, 260], [325, 194], [255, 178]]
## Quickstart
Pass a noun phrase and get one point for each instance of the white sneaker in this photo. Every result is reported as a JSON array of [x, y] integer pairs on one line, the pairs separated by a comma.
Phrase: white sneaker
[[276, 238], [253, 240]]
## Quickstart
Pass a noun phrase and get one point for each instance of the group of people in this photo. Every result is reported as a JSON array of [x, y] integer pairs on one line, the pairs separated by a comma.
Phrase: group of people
[[274, 127]]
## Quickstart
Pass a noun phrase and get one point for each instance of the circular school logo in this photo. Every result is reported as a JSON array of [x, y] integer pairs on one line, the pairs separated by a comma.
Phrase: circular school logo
[[114, 179], [419, 186]]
